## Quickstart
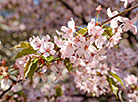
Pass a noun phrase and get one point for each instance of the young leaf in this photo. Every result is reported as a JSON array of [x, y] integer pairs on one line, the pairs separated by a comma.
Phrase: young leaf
[[117, 78], [25, 45], [108, 31], [68, 64], [49, 59], [25, 52], [83, 31], [33, 68], [58, 91], [112, 85], [27, 67]]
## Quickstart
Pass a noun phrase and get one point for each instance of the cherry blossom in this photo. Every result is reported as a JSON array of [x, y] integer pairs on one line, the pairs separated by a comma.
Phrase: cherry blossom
[[47, 49], [103, 69], [128, 24], [5, 83], [113, 22], [72, 61], [126, 2], [35, 42], [98, 8], [68, 30], [20, 63], [131, 79]]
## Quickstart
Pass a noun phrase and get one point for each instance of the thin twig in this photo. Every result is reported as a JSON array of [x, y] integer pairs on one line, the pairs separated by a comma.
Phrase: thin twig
[[121, 13]]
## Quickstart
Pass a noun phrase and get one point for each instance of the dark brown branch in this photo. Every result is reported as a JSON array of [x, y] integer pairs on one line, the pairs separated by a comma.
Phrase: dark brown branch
[[73, 12], [4, 92], [121, 13], [85, 97]]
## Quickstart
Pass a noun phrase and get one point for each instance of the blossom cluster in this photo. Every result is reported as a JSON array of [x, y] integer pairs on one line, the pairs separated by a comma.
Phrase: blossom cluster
[[86, 53]]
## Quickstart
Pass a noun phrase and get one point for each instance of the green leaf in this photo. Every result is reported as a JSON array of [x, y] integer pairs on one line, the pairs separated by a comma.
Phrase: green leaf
[[117, 78], [68, 64], [49, 59], [25, 52], [33, 68], [58, 59], [19, 93], [27, 67], [25, 45], [112, 85], [108, 31], [83, 31], [59, 91]]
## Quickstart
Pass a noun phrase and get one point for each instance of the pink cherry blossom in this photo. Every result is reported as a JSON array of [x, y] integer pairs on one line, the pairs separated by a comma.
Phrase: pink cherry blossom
[[115, 38], [20, 63], [77, 61], [93, 30], [47, 48], [131, 79], [68, 50], [128, 24], [103, 69], [90, 26], [68, 30], [35, 42], [113, 22], [5, 84], [100, 41], [98, 8], [126, 2]]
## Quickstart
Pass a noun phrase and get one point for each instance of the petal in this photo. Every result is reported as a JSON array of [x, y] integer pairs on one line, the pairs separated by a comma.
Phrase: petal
[[64, 29], [134, 29], [71, 24], [109, 13], [126, 26]]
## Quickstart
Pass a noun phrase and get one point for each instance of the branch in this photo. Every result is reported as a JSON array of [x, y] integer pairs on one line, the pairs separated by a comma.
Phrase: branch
[[85, 97], [70, 8], [121, 13], [4, 92]]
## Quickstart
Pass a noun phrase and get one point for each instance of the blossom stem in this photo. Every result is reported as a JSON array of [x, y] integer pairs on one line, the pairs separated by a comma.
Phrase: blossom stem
[[81, 28], [77, 33], [97, 17], [121, 13], [105, 24]]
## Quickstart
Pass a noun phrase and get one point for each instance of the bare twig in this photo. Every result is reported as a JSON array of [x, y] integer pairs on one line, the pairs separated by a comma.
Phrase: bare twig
[[121, 13]]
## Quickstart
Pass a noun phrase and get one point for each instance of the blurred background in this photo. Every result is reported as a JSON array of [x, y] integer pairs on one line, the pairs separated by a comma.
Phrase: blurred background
[[20, 19]]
